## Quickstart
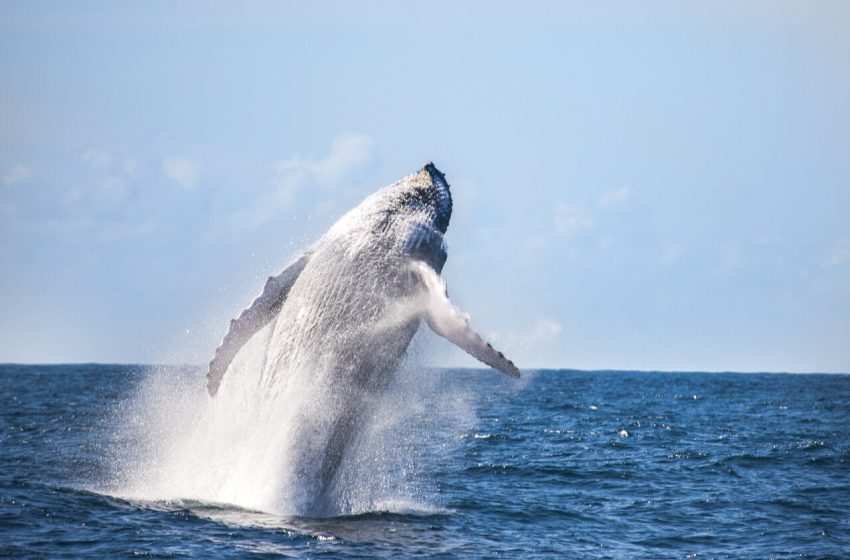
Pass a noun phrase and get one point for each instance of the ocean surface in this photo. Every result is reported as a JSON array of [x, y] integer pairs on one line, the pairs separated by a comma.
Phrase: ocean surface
[[563, 464]]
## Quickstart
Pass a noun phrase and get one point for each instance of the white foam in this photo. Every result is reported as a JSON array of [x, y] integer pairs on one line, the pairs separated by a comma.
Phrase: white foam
[[183, 445]]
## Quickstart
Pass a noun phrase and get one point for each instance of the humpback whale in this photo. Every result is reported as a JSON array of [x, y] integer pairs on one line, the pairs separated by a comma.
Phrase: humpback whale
[[334, 325]]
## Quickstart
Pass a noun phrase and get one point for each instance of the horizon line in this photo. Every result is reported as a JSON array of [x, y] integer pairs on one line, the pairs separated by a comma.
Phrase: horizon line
[[529, 369]]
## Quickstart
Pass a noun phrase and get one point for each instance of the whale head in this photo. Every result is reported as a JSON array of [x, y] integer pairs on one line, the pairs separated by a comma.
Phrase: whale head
[[421, 207], [410, 216], [427, 192]]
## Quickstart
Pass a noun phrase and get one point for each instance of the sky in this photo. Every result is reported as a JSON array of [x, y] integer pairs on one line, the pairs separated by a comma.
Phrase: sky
[[652, 185]]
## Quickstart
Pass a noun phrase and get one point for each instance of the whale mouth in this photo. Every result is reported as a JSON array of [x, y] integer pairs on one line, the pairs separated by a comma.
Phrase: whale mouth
[[442, 194]]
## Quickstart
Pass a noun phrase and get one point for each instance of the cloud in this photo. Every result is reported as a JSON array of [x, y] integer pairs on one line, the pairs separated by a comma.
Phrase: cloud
[[113, 190], [131, 165], [350, 151], [839, 255], [570, 219], [73, 195], [671, 254], [17, 174], [103, 162], [290, 177], [111, 175], [615, 197], [183, 170], [350, 154], [97, 159]]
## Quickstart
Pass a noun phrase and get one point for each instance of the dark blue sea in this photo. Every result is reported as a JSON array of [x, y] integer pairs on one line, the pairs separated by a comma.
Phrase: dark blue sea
[[564, 464]]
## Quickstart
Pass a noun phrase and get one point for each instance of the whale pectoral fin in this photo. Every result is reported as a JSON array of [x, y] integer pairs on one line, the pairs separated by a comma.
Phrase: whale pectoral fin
[[452, 324], [259, 313]]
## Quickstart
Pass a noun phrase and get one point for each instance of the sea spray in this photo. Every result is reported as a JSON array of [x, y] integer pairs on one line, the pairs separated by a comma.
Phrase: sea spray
[[263, 442], [179, 445]]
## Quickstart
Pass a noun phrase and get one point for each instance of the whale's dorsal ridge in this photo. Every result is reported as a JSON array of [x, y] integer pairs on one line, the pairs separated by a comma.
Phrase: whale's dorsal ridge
[[256, 316]]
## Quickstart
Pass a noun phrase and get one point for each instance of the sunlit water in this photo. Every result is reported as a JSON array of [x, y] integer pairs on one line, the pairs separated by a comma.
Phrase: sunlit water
[[452, 464]]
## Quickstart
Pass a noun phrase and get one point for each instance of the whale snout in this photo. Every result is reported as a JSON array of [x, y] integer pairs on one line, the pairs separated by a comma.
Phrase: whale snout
[[436, 174], [440, 195]]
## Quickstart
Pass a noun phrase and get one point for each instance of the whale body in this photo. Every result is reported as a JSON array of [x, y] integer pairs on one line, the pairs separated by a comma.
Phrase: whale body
[[331, 329]]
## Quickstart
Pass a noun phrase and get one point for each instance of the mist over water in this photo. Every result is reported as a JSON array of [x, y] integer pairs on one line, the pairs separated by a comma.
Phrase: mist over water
[[242, 448]]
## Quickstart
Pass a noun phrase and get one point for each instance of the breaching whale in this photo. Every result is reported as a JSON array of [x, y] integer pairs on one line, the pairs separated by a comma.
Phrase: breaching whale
[[335, 324]]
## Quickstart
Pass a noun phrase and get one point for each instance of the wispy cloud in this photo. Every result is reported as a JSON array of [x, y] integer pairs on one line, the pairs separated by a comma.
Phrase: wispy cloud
[[17, 174], [97, 159], [570, 219], [672, 253], [111, 173], [130, 166], [614, 197], [839, 255], [350, 154], [183, 170]]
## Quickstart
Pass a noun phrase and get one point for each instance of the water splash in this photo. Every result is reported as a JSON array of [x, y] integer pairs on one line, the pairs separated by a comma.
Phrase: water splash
[[245, 450]]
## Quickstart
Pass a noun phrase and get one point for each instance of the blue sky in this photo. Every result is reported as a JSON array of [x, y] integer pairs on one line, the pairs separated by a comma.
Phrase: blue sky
[[657, 185]]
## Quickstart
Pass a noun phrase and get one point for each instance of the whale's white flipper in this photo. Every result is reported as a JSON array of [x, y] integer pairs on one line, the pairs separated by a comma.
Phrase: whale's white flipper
[[262, 310], [452, 324]]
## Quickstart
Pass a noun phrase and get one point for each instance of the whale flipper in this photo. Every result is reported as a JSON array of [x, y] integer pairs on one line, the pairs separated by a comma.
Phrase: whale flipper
[[262, 310], [452, 324]]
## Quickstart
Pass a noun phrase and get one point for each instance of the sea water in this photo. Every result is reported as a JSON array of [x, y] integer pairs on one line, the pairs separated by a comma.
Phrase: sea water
[[452, 464]]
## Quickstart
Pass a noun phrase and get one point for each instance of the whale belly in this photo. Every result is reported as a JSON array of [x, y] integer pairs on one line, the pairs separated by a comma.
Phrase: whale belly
[[337, 341]]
